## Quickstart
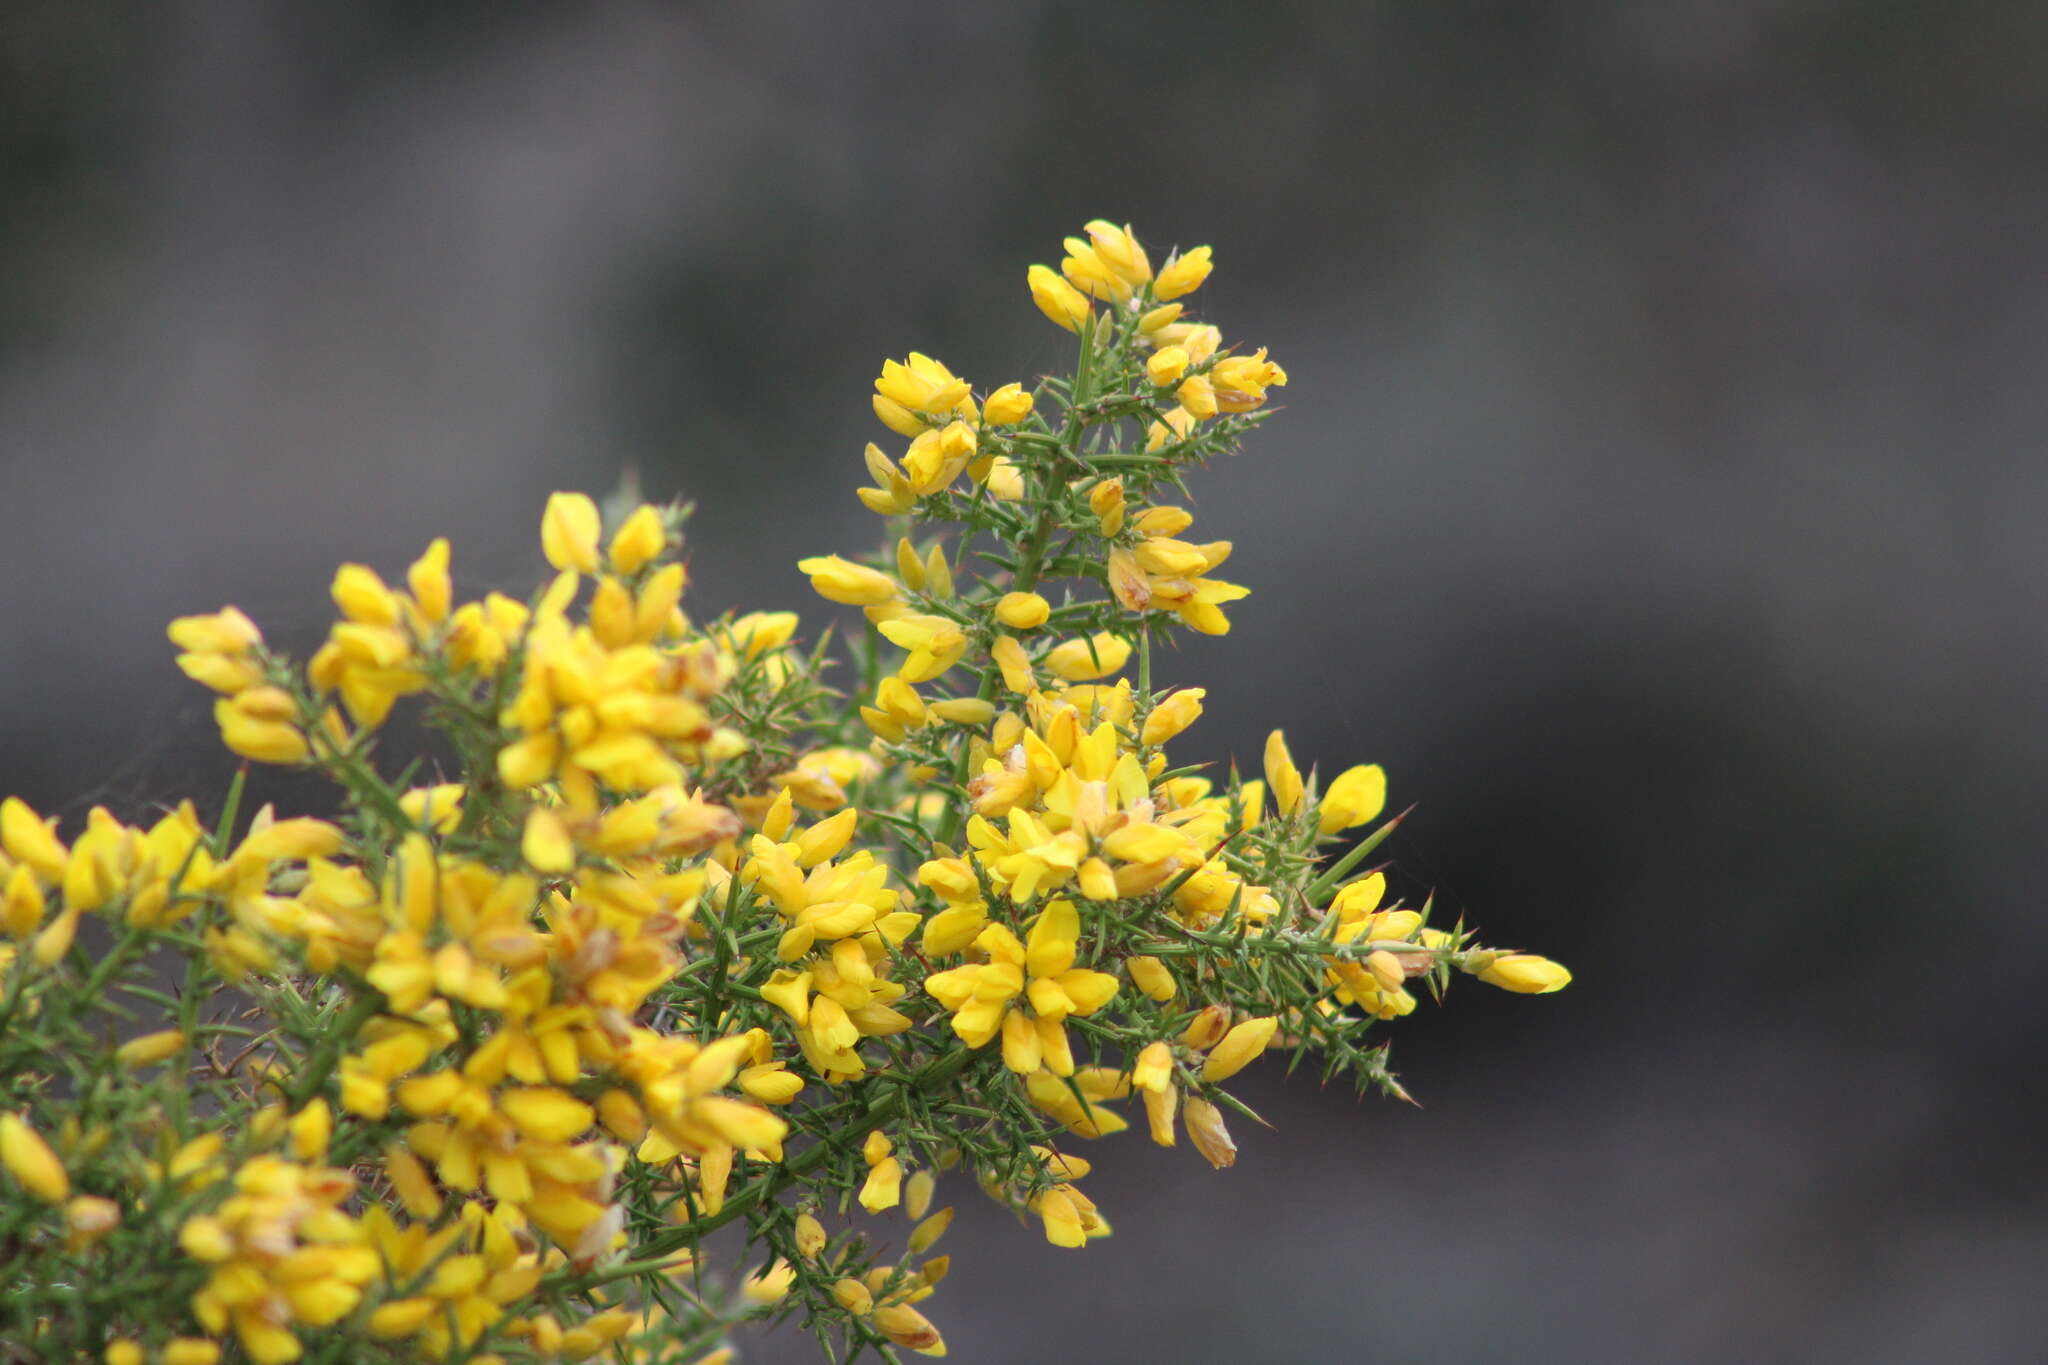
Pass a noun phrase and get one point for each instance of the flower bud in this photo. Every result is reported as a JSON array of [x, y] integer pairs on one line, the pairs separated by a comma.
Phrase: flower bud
[[150, 1049], [569, 528], [1057, 299], [1151, 976], [1183, 274], [1106, 500], [1127, 580], [29, 1159], [929, 1231], [1206, 1029], [910, 1329], [853, 1296], [1096, 656], [432, 591], [1007, 406], [227, 631], [1207, 1131], [964, 710], [1239, 1048], [1166, 366], [1281, 775], [1023, 610], [362, 596], [1198, 396], [1117, 248], [838, 580], [1176, 711], [546, 844], [87, 1218], [639, 540], [1526, 974]]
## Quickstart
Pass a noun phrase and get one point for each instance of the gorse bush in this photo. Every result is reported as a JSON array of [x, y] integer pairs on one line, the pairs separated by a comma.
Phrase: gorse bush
[[709, 927]]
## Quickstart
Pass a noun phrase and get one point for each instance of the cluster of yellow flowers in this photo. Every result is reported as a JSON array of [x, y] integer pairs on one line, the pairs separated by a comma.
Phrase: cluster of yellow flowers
[[694, 937]]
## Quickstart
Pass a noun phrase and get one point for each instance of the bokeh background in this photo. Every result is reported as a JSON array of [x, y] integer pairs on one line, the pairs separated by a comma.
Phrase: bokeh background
[[1659, 496]]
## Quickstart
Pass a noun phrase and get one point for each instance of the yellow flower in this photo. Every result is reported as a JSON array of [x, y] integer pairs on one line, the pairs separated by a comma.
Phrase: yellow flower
[[1095, 656], [639, 540], [1239, 1048], [1208, 1132], [258, 724], [919, 393], [884, 1185], [1042, 971], [1057, 299], [150, 1048], [1281, 774], [1166, 366], [1183, 274], [1357, 795], [1106, 500], [934, 642], [1023, 610], [27, 837], [1116, 248], [1151, 976], [1241, 381], [432, 592], [29, 1159], [1173, 713], [1007, 406], [569, 530], [839, 580], [1526, 974]]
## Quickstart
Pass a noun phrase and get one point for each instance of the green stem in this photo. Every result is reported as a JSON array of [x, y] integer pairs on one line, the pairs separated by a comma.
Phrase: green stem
[[332, 1040], [1325, 884], [656, 1251]]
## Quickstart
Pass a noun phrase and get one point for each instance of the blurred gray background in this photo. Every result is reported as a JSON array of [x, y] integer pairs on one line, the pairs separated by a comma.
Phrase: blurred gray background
[[1659, 497]]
